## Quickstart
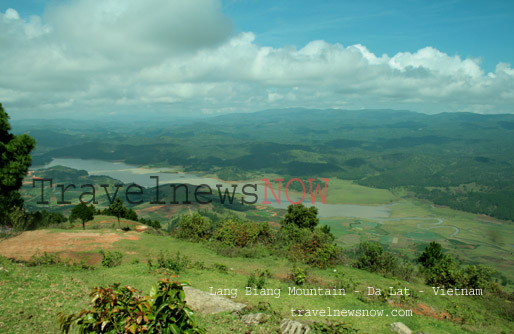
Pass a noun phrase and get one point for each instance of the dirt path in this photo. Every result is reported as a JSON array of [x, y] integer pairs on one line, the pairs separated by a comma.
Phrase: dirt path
[[23, 246]]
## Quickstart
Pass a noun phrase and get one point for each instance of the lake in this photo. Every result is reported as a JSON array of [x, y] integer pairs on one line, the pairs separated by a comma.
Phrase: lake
[[141, 176]]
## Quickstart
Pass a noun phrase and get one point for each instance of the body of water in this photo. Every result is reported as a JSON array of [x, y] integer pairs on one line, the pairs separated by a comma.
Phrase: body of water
[[141, 176]]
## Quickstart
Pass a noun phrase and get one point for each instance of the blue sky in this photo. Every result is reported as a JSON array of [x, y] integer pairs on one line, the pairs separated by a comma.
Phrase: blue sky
[[469, 28], [427, 56], [477, 29]]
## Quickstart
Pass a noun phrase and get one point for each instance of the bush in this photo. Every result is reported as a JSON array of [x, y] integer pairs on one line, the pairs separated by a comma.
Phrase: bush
[[316, 248], [123, 310], [432, 255], [221, 268], [446, 273], [238, 233], [329, 327], [111, 259], [298, 276], [478, 277], [194, 228], [152, 223], [258, 278], [177, 263], [374, 258], [342, 281]]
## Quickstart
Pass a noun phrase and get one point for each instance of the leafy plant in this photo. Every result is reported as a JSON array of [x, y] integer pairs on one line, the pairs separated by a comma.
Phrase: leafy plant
[[298, 276], [123, 310], [177, 263], [329, 327], [220, 267], [345, 282], [194, 228], [257, 279], [111, 259], [432, 254]]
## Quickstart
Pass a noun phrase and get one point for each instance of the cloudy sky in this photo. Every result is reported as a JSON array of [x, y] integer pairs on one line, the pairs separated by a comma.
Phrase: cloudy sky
[[85, 58]]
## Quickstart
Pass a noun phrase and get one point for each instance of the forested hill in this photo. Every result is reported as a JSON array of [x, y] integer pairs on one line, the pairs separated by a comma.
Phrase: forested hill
[[463, 160]]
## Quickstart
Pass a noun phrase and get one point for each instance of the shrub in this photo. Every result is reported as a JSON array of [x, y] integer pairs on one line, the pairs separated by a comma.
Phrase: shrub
[[342, 281], [239, 233], [221, 268], [152, 223], [329, 327], [316, 248], [111, 259], [374, 258], [446, 273], [37, 259], [177, 263], [478, 277], [258, 278], [123, 310], [298, 275], [432, 254], [194, 228]]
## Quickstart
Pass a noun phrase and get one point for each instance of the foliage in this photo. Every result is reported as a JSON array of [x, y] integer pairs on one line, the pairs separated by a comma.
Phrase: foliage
[[118, 210], [257, 279], [123, 310], [343, 281], [301, 216], [298, 275], [329, 327], [315, 247], [53, 259], [238, 233], [373, 258], [194, 227], [478, 276], [176, 263], [222, 268], [443, 270], [14, 163], [83, 212], [432, 255], [46, 258], [149, 222], [446, 273], [45, 218], [111, 258]]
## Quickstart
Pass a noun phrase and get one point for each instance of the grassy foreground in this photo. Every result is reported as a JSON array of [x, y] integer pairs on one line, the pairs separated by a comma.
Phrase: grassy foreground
[[31, 297]]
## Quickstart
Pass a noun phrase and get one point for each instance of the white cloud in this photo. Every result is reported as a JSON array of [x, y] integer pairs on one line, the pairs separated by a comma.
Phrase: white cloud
[[180, 56]]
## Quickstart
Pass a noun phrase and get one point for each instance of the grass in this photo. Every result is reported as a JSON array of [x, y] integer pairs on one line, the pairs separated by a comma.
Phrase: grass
[[347, 192], [32, 296]]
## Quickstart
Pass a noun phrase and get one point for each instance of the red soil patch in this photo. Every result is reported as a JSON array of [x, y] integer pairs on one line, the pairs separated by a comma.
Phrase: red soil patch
[[427, 311], [23, 246]]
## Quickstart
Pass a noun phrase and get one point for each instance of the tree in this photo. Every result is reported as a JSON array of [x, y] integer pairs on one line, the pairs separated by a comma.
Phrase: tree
[[15, 161], [432, 255], [117, 209], [83, 212], [301, 216]]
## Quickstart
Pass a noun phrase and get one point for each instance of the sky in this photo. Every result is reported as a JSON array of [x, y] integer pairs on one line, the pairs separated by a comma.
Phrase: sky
[[167, 58]]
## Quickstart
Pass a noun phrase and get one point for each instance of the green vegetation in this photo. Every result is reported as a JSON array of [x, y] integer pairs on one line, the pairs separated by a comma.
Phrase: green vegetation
[[396, 159], [111, 259], [301, 216], [83, 212], [461, 160], [123, 310], [15, 160]]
